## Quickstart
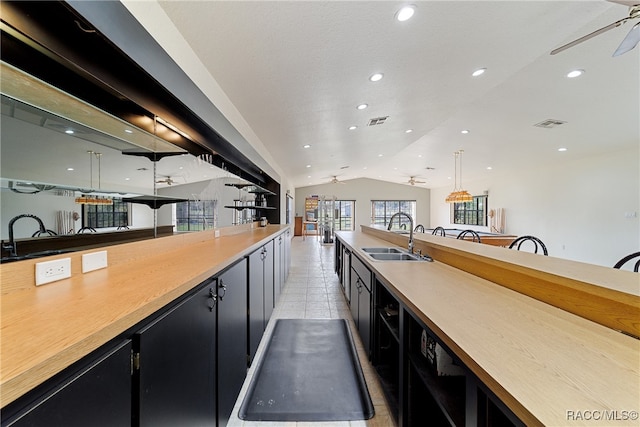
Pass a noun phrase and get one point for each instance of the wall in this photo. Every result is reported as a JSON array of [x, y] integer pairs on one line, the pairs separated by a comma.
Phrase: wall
[[582, 210], [363, 190]]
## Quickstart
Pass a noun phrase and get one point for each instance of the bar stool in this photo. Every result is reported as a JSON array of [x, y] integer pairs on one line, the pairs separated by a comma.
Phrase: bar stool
[[439, 231], [520, 240], [628, 258], [475, 237]]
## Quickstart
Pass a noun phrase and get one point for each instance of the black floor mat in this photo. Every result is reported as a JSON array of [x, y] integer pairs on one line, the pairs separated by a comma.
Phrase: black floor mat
[[309, 372]]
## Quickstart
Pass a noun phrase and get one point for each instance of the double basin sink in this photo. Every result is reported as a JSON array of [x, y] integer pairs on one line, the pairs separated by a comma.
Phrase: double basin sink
[[393, 254]]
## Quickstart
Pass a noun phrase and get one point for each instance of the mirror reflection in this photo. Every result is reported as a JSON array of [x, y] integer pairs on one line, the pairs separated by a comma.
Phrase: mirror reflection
[[63, 177]]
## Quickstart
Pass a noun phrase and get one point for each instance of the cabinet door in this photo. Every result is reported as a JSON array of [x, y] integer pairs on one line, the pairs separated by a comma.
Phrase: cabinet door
[[97, 395], [355, 284], [232, 337], [268, 282], [287, 255], [176, 375], [278, 268], [256, 300], [364, 318]]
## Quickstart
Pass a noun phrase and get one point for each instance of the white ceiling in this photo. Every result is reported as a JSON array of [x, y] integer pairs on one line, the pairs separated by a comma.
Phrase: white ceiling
[[296, 70]]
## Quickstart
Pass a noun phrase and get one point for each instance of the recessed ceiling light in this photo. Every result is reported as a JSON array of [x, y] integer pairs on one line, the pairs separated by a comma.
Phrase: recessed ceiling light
[[69, 131], [308, 176], [575, 73], [308, 166], [405, 13], [376, 77], [128, 131], [127, 179], [464, 131], [562, 149], [364, 167], [70, 169], [408, 131], [353, 127], [489, 168], [362, 106], [478, 72], [379, 155], [306, 146], [420, 155]]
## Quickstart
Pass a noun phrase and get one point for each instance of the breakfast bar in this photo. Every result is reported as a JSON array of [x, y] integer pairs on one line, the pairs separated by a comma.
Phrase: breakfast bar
[[546, 365]]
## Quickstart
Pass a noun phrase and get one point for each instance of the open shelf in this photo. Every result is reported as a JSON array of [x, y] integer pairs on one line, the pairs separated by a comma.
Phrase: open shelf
[[448, 392], [250, 188], [390, 322], [154, 202], [241, 208]]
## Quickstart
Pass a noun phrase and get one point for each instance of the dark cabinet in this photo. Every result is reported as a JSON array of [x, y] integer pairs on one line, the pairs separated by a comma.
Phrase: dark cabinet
[[232, 338], [360, 300], [98, 393], [196, 348], [260, 294], [287, 255], [278, 267], [175, 361]]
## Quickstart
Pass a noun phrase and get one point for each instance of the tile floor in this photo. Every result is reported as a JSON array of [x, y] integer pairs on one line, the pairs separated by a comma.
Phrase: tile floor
[[313, 291]]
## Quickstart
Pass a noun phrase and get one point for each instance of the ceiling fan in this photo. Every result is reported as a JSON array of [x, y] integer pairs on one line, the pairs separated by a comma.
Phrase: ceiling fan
[[167, 180], [334, 180], [412, 181], [628, 43]]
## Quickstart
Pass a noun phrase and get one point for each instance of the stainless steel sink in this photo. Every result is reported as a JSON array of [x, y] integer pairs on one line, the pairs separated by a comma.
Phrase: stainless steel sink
[[383, 250], [394, 257]]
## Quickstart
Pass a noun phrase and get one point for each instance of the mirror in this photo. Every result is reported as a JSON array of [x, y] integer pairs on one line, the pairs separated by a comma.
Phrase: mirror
[[58, 153]]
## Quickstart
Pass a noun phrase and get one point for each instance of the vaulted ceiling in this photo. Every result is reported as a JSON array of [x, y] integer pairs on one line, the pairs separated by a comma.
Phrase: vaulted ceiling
[[294, 71]]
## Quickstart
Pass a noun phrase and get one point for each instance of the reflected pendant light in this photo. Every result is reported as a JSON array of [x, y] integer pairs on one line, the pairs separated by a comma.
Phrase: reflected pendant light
[[458, 195], [94, 200]]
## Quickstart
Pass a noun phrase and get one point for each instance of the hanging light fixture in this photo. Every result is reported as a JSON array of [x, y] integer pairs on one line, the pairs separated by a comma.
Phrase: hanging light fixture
[[458, 195], [94, 200]]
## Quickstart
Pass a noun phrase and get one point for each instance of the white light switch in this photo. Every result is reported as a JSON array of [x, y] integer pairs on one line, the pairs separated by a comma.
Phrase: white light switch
[[94, 261]]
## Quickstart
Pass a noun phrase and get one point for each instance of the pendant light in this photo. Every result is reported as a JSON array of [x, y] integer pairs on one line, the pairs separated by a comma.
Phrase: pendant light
[[458, 195], [94, 200]]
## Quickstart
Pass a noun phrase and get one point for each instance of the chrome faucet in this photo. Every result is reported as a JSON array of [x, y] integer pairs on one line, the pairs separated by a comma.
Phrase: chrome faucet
[[11, 245], [410, 227]]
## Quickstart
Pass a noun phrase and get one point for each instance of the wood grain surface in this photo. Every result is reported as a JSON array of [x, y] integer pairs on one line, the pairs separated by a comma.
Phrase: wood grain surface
[[47, 328], [543, 362]]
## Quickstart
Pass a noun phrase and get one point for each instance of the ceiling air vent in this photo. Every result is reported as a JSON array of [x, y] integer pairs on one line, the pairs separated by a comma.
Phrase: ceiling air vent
[[549, 123], [377, 121]]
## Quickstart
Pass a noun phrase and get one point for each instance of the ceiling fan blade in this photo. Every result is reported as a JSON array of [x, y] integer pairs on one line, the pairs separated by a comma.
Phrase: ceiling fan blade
[[589, 36], [630, 41]]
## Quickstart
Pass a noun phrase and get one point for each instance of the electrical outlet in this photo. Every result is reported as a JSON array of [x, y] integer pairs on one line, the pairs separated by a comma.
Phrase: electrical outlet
[[94, 261], [50, 271], [216, 233]]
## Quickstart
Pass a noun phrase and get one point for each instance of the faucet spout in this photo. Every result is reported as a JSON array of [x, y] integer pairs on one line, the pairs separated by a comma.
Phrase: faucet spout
[[410, 247], [11, 245]]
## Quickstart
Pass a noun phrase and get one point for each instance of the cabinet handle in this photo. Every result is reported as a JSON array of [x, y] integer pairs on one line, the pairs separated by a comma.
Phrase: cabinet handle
[[213, 297], [224, 290]]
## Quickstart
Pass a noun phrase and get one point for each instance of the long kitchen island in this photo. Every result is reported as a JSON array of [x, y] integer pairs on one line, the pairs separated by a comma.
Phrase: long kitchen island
[[538, 363], [183, 298]]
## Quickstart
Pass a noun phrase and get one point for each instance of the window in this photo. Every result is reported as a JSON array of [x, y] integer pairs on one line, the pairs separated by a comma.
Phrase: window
[[345, 214], [382, 210], [470, 213], [103, 216], [195, 215]]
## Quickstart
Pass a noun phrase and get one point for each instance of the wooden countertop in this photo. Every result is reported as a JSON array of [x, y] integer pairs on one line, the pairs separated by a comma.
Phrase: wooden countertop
[[541, 361], [47, 328]]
